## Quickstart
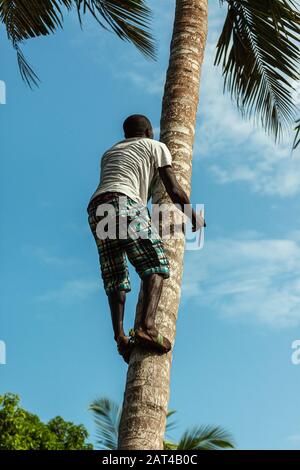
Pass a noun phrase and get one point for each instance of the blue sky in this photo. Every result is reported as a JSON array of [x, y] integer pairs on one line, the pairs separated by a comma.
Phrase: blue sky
[[240, 308]]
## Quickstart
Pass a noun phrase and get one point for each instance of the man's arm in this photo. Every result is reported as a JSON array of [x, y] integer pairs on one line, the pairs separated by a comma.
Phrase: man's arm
[[178, 196]]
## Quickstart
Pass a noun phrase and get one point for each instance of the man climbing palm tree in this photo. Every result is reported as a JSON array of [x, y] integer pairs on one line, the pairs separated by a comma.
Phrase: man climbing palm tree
[[127, 171]]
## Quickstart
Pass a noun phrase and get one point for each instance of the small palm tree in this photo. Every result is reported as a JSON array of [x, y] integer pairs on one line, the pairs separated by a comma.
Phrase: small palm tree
[[202, 438], [129, 19], [107, 416], [107, 419]]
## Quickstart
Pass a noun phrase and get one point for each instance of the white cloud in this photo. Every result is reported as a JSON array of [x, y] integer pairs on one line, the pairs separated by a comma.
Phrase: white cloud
[[71, 291], [152, 84], [294, 439], [234, 150], [248, 277], [47, 257]]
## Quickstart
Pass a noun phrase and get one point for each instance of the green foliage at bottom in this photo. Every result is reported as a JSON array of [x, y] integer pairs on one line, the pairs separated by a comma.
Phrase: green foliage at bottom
[[22, 430]]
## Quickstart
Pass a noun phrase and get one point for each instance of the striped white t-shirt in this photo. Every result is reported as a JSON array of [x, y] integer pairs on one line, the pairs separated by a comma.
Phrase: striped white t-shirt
[[130, 165]]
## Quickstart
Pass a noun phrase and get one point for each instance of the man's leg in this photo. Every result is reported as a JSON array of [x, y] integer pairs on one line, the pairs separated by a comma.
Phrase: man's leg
[[145, 251], [117, 306], [147, 334], [152, 288], [114, 273]]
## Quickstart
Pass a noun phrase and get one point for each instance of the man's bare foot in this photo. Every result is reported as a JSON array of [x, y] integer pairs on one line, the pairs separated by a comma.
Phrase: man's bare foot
[[151, 339], [124, 346]]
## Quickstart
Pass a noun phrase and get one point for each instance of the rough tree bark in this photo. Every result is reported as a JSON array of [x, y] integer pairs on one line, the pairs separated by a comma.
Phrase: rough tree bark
[[147, 389]]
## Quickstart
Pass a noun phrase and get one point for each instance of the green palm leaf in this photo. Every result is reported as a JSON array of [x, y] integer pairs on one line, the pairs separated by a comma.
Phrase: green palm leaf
[[29, 19], [129, 19], [259, 53], [170, 424], [107, 418], [297, 136], [168, 445], [205, 438]]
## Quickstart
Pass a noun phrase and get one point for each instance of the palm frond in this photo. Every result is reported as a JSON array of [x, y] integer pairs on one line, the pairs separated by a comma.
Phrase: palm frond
[[258, 51], [129, 19], [206, 438], [27, 73], [107, 418], [168, 445], [31, 18], [170, 425], [25, 20], [297, 136]]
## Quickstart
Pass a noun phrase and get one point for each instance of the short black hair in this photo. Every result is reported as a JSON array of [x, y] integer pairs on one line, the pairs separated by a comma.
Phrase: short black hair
[[136, 124]]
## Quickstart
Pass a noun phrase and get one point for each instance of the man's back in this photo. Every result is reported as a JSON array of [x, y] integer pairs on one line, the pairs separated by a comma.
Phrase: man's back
[[128, 167]]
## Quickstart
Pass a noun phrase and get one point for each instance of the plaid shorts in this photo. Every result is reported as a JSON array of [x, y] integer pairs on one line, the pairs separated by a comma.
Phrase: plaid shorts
[[132, 234]]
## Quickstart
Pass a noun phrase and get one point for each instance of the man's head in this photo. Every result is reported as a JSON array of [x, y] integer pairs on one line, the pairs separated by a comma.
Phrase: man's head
[[137, 125]]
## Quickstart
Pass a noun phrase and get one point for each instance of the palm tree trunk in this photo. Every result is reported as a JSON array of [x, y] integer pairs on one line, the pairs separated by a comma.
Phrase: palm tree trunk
[[147, 389]]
